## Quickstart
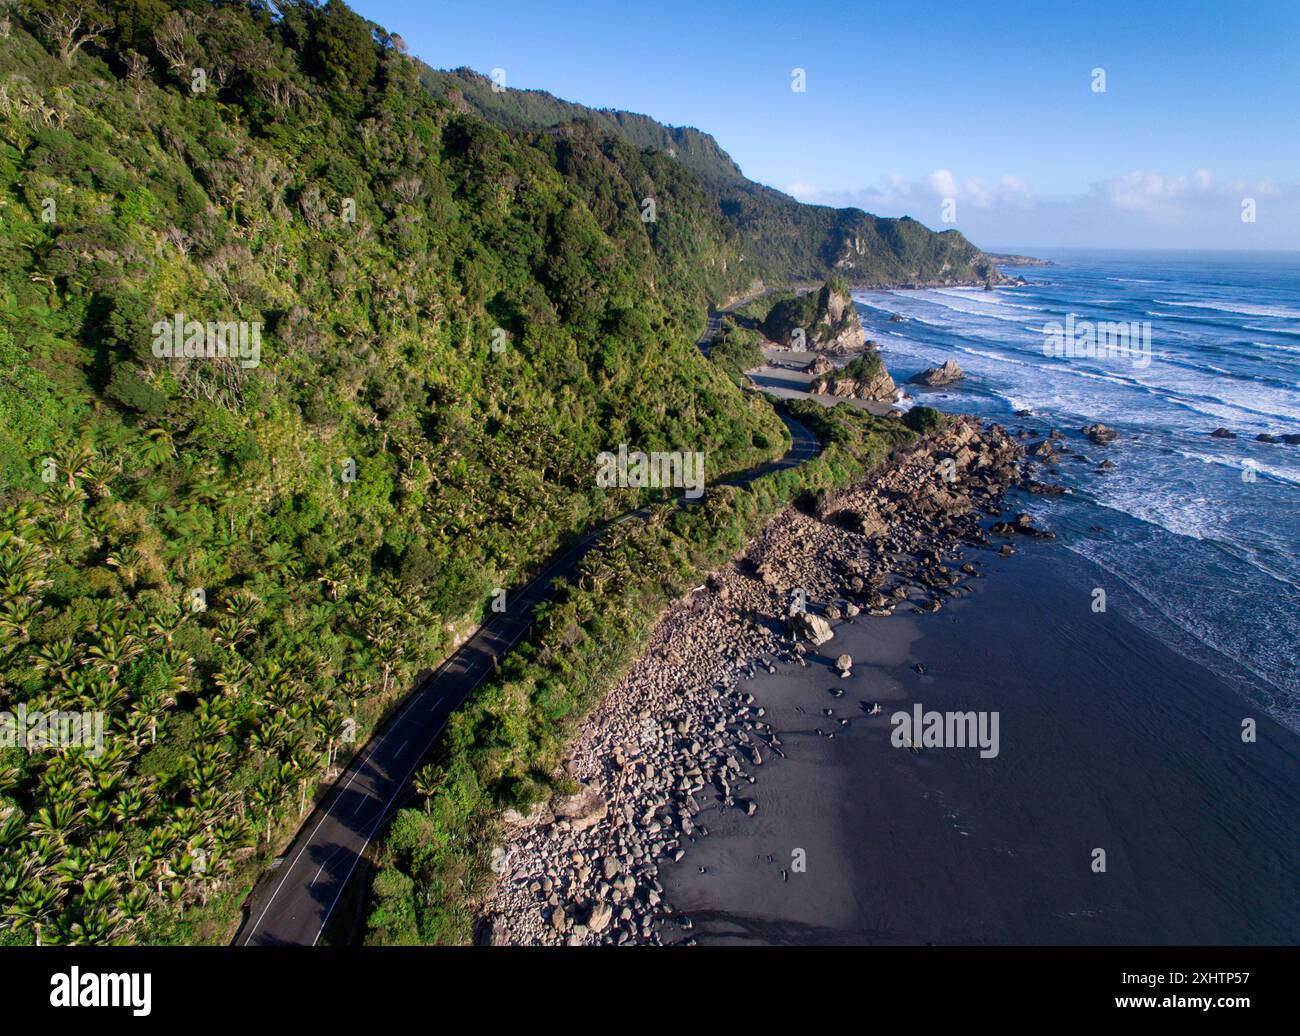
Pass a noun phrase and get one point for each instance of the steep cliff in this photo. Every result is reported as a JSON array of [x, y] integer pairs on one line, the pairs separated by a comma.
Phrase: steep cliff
[[822, 320]]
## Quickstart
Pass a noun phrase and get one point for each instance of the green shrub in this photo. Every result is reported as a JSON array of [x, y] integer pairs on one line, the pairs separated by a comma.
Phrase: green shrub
[[923, 419], [736, 349]]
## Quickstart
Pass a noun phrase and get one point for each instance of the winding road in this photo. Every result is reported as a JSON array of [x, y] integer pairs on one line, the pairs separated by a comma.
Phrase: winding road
[[292, 904]]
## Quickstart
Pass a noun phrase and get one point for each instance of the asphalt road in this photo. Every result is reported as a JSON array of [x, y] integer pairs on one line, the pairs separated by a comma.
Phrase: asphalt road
[[292, 903]]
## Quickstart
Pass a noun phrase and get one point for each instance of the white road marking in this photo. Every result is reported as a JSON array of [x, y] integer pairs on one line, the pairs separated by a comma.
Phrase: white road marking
[[447, 666]]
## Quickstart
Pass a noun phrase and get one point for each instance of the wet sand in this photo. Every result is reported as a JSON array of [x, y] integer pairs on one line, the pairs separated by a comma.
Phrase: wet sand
[[1107, 740]]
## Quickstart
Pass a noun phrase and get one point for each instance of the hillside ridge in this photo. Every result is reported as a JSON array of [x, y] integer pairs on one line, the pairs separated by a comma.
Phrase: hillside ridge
[[783, 240]]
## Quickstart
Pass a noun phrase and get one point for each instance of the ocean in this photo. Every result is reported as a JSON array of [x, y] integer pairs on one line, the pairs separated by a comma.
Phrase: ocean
[[1200, 535]]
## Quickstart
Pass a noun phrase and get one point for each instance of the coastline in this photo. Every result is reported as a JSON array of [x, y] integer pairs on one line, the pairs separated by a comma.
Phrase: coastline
[[715, 759], [677, 737], [1108, 740]]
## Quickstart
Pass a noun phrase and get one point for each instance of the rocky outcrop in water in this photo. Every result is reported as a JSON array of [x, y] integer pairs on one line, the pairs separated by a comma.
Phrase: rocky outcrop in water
[[1100, 433], [934, 377]]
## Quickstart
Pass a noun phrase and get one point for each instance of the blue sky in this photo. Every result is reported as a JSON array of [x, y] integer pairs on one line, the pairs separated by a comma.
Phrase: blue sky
[[909, 105]]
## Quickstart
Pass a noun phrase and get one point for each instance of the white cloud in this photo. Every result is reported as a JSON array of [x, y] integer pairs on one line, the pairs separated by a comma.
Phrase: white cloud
[[943, 183], [803, 191], [1141, 208], [1157, 194], [930, 192]]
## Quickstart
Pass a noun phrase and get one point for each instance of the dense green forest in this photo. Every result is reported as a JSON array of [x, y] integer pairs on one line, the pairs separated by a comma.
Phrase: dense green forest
[[243, 558], [781, 240], [736, 349]]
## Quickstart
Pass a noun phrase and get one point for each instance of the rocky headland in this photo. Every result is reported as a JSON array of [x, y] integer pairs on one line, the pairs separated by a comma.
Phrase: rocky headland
[[1003, 259], [823, 320]]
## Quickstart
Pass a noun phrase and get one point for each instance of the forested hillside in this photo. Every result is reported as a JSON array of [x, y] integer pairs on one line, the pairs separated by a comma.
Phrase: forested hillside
[[782, 240], [242, 558]]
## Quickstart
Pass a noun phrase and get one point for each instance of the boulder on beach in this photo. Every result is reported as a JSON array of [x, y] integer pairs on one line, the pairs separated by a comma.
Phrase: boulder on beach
[[540, 815], [944, 375], [583, 809], [813, 628], [1100, 433], [865, 522], [821, 365], [1026, 527], [844, 663], [600, 916]]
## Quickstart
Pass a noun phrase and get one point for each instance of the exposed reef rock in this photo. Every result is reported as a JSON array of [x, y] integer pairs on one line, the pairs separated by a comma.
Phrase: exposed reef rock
[[936, 376]]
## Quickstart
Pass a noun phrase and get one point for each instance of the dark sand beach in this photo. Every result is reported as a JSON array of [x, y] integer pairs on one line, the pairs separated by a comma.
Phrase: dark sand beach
[[728, 794], [1107, 740]]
